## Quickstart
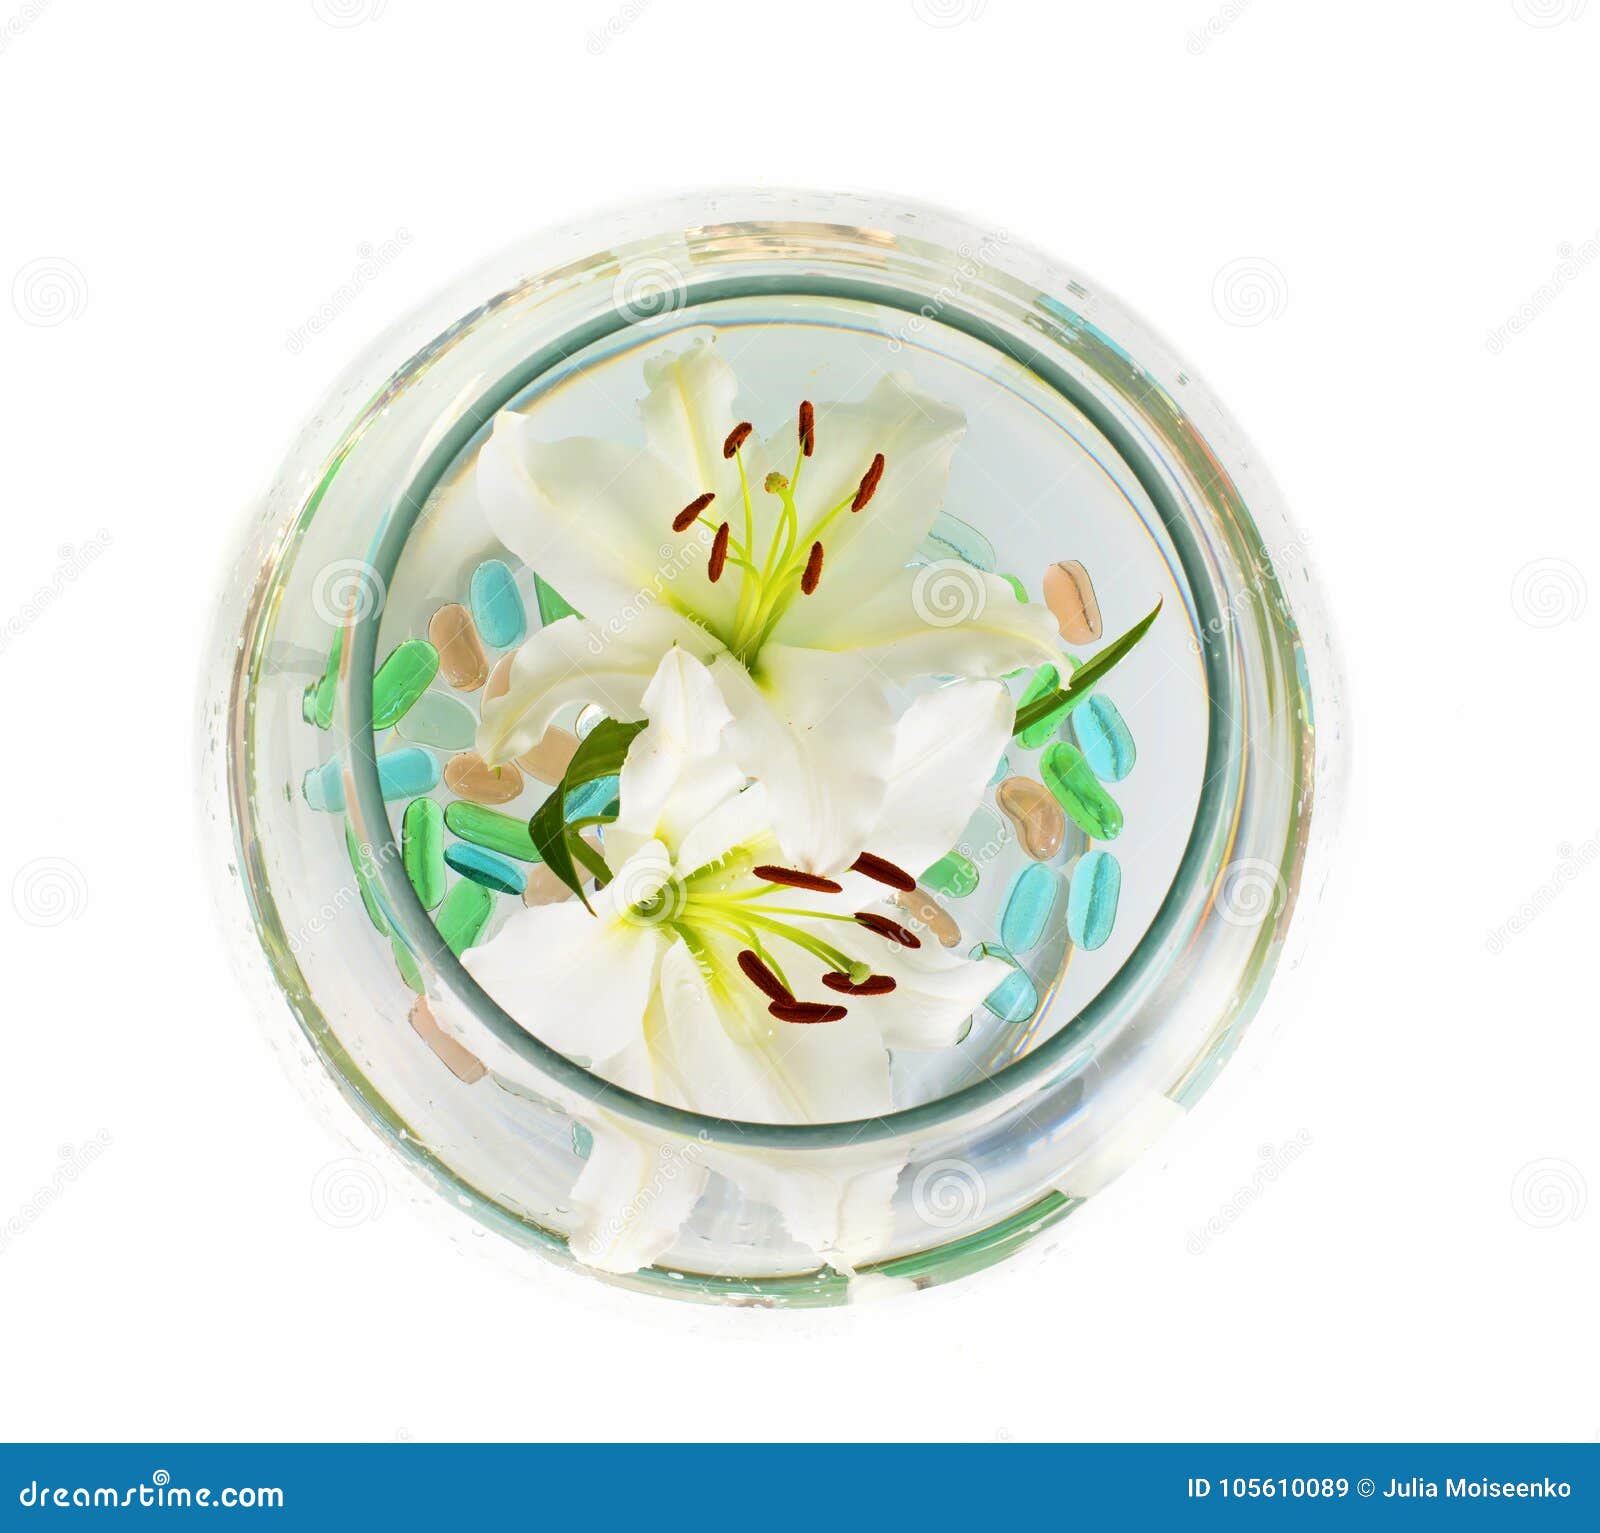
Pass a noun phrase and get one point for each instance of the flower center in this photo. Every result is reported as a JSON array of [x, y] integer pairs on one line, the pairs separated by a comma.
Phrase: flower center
[[736, 899], [791, 565]]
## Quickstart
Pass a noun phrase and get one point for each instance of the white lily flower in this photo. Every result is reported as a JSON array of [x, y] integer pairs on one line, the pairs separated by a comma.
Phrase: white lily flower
[[713, 978], [783, 569]]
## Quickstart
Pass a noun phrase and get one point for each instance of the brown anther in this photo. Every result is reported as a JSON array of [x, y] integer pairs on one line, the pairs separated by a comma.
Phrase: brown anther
[[884, 927], [795, 879], [869, 483], [763, 978], [736, 438], [806, 1011], [719, 554], [873, 984], [808, 428], [884, 871], [813, 574], [690, 514]]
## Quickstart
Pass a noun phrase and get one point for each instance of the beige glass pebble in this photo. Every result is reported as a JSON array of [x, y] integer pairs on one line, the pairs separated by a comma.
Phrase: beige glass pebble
[[1034, 814], [926, 911], [461, 1062], [462, 659], [468, 775], [548, 759], [1069, 594], [499, 682]]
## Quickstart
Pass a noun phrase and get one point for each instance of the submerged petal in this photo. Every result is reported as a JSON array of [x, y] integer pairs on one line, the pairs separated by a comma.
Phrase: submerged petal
[[817, 729]]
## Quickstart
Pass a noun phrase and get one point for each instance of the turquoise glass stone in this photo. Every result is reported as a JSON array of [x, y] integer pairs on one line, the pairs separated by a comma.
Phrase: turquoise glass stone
[[485, 867], [323, 786], [1015, 998], [1104, 738], [1092, 899], [407, 772], [496, 605], [1028, 907]]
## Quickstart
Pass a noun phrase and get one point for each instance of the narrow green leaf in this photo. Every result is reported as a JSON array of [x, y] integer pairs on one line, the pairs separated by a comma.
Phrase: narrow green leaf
[[1085, 677], [600, 755]]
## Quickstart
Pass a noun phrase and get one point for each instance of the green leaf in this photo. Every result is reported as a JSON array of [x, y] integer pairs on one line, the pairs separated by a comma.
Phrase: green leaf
[[600, 754], [1085, 677]]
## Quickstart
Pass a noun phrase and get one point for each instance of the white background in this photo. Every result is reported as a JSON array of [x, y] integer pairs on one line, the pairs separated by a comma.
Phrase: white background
[[185, 184]]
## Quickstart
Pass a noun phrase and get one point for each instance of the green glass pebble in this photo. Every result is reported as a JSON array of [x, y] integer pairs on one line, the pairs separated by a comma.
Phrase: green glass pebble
[[1045, 680], [406, 964], [1104, 738], [1092, 899], [464, 914], [485, 867], [1015, 998], [953, 875], [317, 706], [440, 720], [422, 850], [360, 862], [1074, 786], [407, 772], [497, 605], [401, 680], [503, 833], [553, 606], [1028, 905]]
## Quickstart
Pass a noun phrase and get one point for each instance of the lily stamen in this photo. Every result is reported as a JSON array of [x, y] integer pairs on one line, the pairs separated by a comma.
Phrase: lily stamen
[[813, 571], [795, 879], [882, 926], [869, 483], [806, 1011], [884, 871], [690, 514], [873, 984], [763, 978]]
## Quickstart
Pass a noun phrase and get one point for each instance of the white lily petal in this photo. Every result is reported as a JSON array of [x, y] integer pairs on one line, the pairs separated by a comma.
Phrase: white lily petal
[[593, 517], [945, 750], [676, 772], [575, 660], [817, 729], [947, 620], [917, 436], [578, 982]]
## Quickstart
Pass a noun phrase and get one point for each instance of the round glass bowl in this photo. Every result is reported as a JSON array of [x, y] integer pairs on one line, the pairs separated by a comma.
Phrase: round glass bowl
[[1137, 863]]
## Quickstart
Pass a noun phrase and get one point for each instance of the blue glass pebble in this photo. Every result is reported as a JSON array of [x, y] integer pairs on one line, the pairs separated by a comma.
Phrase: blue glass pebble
[[496, 605], [1104, 738], [323, 786], [485, 867], [1092, 899], [1028, 907], [591, 798], [407, 772], [1014, 999]]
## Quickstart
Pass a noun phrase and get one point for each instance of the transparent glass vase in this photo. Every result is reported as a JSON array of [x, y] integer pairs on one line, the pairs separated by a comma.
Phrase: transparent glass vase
[[1089, 445]]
